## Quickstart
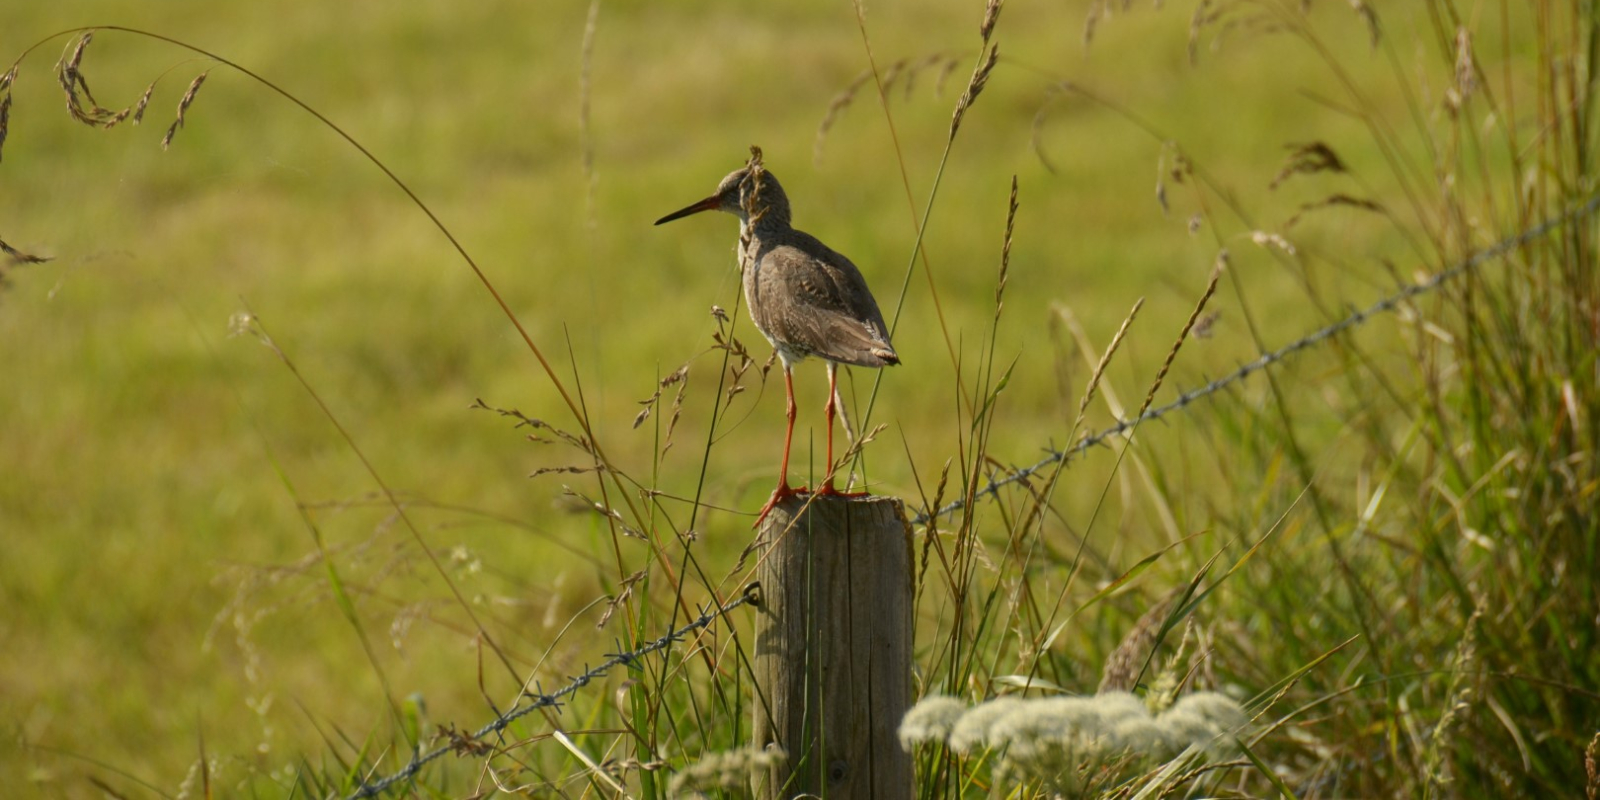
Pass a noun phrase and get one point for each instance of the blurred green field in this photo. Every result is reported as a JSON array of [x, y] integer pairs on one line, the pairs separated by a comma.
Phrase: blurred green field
[[161, 586]]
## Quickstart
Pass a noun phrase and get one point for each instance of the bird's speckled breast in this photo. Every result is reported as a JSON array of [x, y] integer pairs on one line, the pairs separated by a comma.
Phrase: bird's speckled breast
[[750, 267]]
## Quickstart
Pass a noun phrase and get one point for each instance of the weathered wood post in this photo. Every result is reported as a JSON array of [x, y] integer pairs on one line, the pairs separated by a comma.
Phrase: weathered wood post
[[833, 647]]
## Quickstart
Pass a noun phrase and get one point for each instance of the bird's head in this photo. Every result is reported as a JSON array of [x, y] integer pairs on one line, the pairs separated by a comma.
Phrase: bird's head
[[744, 195]]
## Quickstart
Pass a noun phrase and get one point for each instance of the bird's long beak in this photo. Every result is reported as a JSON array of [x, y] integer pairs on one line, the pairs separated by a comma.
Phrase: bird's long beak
[[708, 204]]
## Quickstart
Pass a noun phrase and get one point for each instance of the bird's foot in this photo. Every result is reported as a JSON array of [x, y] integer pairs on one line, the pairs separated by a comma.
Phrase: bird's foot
[[780, 494], [828, 489]]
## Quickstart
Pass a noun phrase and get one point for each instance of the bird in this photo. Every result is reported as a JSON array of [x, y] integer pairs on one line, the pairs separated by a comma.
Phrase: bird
[[804, 297]]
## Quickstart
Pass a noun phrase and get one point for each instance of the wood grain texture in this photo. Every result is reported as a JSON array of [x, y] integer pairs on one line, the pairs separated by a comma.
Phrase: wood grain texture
[[833, 647]]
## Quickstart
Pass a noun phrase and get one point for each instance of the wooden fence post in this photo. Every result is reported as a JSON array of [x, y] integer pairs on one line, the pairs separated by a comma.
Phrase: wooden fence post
[[833, 647]]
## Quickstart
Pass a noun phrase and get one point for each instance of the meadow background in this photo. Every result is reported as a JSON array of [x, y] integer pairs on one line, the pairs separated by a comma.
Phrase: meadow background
[[174, 500]]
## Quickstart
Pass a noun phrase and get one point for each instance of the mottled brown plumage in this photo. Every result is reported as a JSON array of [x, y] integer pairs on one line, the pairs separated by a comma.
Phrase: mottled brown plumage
[[807, 299]]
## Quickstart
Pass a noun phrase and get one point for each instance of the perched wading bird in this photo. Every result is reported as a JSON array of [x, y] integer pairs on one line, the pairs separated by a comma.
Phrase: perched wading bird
[[805, 298]]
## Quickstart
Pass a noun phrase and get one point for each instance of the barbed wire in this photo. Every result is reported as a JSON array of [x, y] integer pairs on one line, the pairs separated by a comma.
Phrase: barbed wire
[[1355, 318], [537, 699]]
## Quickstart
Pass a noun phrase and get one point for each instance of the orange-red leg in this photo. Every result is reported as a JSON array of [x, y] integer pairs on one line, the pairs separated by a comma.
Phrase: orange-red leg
[[830, 412], [784, 491]]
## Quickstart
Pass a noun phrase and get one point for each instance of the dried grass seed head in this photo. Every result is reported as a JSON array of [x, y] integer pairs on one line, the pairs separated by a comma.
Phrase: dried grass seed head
[[183, 108], [991, 15], [69, 77], [905, 72], [5, 120], [1121, 668], [1202, 16], [1005, 252], [1465, 82], [1370, 19], [980, 79], [1265, 239], [16, 256], [144, 102], [1308, 158], [6, 80], [836, 108], [1591, 765]]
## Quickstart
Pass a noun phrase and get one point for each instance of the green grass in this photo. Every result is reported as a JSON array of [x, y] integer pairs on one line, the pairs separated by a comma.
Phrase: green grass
[[162, 586]]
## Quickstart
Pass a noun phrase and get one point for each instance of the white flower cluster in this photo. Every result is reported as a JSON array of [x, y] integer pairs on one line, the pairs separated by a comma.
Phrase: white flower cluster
[[729, 769], [1063, 731]]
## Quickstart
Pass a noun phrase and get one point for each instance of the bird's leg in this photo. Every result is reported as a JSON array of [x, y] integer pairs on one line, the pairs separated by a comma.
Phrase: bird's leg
[[788, 431], [830, 411], [784, 491], [827, 413]]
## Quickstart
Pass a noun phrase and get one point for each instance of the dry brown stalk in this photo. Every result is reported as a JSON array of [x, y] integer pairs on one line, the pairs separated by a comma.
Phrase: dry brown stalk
[[183, 108]]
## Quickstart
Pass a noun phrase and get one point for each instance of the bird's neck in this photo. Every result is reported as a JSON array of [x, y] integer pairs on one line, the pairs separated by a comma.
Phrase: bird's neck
[[775, 219]]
